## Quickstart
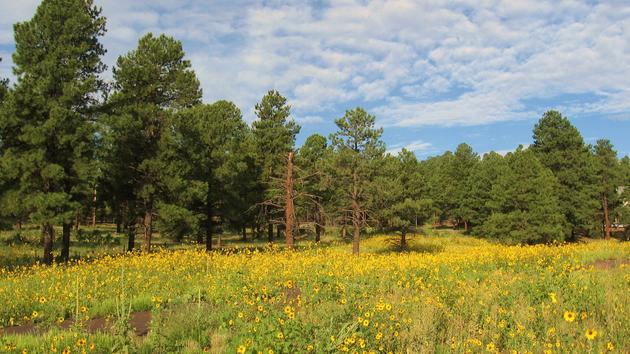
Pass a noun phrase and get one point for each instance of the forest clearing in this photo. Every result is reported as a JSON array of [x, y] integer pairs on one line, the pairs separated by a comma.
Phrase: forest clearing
[[446, 293]]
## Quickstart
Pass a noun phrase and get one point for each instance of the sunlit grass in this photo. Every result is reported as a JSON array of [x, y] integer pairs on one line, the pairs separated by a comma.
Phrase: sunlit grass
[[443, 293]]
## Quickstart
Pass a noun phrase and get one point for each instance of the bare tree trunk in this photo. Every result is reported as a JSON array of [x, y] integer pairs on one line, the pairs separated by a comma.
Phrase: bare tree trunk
[[119, 220], [94, 206], [48, 234], [244, 232], [318, 232], [148, 228], [403, 238], [270, 232], [289, 212], [18, 226], [278, 231], [343, 231], [356, 214], [208, 225], [466, 225], [65, 241], [606, 217], [131, 237]]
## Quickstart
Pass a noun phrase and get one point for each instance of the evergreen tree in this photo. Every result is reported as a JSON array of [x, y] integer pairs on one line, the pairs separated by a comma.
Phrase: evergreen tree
[[274, 136], [46, 130], [464, 161], [358, 148], [440, 186], [311, 160], [211, 147], [524, 203], [482, 179], [609, 176], [560, 147], [152, 82], [622, 212], [4, 87], [406, 207]]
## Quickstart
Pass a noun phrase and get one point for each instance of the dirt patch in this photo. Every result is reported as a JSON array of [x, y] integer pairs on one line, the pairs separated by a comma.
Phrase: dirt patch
[[610, 263], [140, 322]]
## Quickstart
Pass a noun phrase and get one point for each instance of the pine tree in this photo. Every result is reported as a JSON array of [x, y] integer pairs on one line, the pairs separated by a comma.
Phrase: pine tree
[[560, 147], [310, 161], [4, 87], [46, 128], [274, 136], [406, 207], [524, 203], [152, 82], [482, 179], [211, 148], [464, 161], [440, 186], [609, 176], [358, 147]]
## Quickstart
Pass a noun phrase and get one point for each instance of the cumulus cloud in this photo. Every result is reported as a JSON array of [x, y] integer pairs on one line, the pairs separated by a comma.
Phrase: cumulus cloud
[[411, 63]]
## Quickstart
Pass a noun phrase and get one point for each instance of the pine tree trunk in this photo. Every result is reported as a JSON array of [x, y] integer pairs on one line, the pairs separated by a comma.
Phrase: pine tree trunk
[[343, 232], [49, 239], [278, 231], [65, 241], [318, 232], [466, 225], [244, 232], [131, 237], [607, 231], [208, 225], [94, 206], [77, 221], [289, 213], [270, 232], [148, 228], [403, 238], [356, 214], [119, 221], [18, 226]]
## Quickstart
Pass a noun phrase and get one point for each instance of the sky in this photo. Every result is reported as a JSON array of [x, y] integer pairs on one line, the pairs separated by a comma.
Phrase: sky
[[434, 73]]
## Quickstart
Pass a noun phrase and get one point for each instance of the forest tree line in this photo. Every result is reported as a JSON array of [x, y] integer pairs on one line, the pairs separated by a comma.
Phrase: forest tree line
[[144, 151]]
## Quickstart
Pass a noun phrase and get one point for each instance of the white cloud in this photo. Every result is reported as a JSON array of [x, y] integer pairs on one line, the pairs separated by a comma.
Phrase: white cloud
[[411, 63], [413, 146]]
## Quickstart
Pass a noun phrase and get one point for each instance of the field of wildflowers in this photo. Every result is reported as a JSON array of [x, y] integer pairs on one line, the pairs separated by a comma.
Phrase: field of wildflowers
[[446, 294]]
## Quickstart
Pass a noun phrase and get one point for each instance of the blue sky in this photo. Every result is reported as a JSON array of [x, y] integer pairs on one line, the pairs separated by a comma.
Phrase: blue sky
[[433, 73]]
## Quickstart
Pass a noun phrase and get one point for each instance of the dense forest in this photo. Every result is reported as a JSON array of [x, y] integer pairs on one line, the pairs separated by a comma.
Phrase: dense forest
[[146, 153]]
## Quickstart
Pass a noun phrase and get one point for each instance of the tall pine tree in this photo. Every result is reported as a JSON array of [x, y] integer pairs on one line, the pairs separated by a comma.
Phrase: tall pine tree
[[274, 136], [212, 138], [609, 178], [560, 148], [358, 148], [151, 83], [524, 203], [46, 130]]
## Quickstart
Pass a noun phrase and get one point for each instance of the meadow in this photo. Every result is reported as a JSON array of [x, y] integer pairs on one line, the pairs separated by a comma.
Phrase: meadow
[[447, 293]]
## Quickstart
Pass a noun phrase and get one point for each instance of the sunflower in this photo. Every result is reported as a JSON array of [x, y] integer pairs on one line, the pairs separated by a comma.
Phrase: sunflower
[[591, 334], [569, 316]]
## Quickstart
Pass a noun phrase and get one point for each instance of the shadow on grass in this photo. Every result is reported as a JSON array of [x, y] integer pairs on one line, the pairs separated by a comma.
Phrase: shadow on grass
[[412, 246]]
